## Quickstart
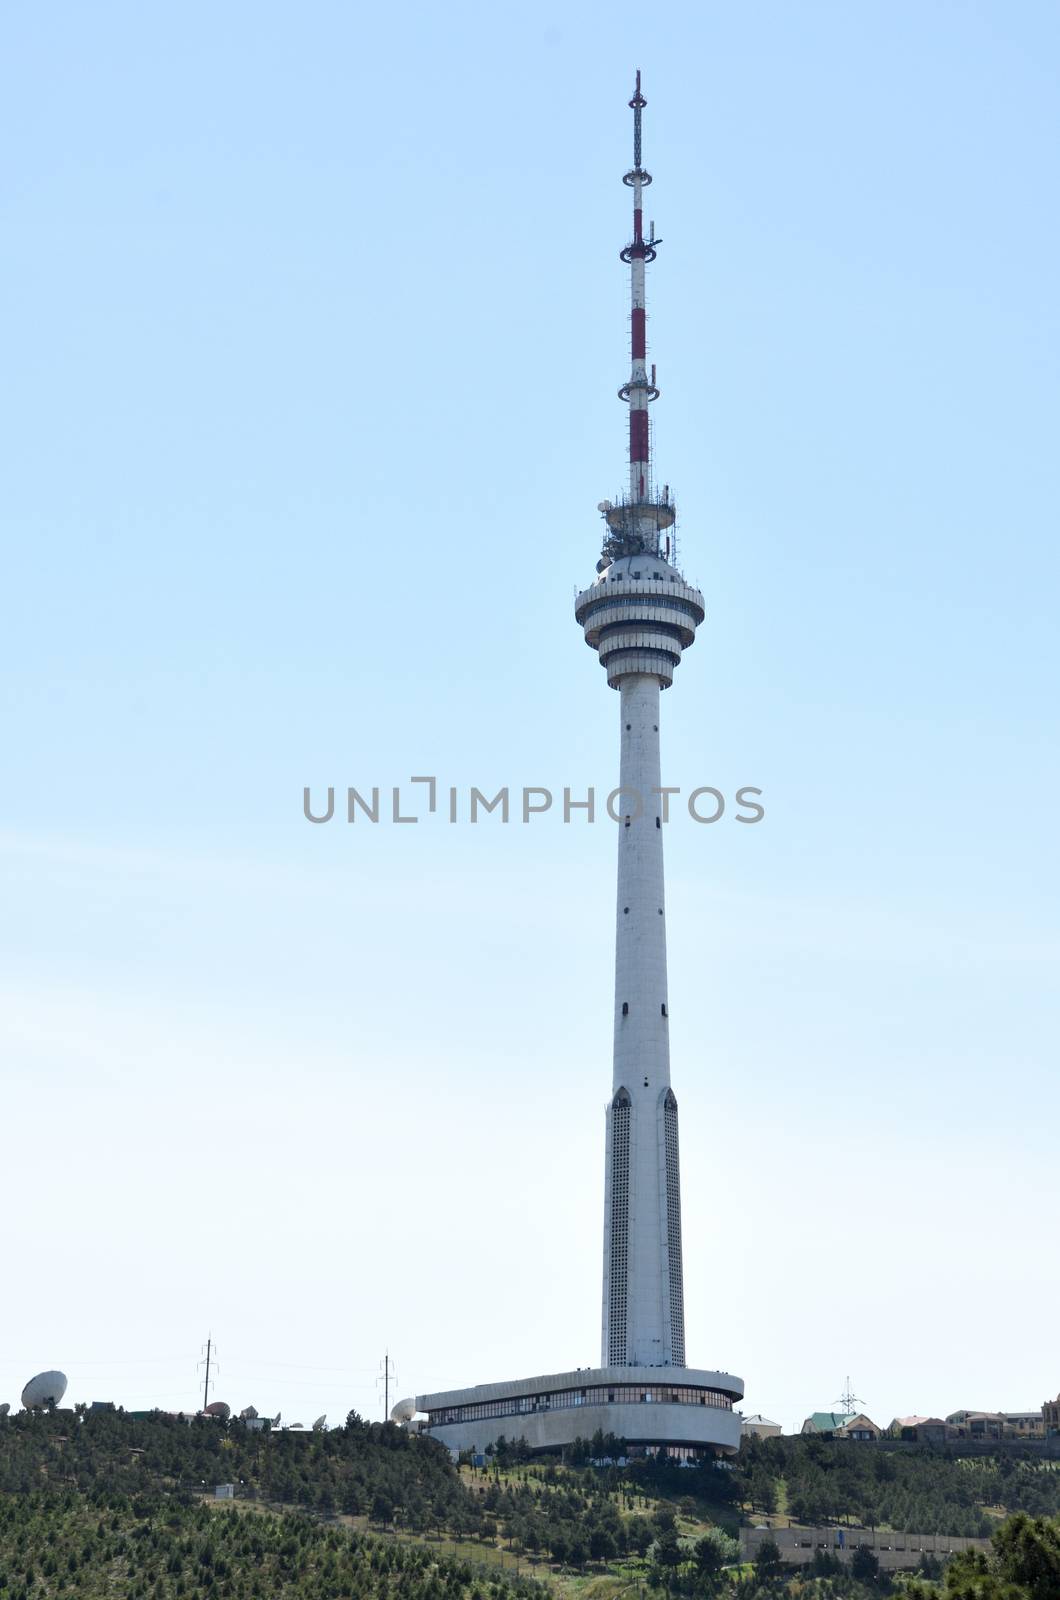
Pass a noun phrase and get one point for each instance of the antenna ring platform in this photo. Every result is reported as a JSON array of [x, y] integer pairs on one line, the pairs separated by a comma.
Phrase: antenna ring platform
[[649, 389]]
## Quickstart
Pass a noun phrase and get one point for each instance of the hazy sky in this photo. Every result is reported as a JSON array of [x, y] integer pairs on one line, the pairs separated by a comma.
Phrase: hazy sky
[[313, 321]]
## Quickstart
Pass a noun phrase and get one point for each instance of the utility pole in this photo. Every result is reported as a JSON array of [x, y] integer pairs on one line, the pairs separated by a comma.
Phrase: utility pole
[[206, 1381], [386, 1373]]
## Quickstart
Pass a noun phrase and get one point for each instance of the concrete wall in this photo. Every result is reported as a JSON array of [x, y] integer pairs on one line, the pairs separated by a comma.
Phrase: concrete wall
[[894, 1551]]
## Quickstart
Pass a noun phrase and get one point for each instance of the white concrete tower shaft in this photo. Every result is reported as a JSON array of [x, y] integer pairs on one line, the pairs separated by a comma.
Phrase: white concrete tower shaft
[[643, 1309], [640, 616]]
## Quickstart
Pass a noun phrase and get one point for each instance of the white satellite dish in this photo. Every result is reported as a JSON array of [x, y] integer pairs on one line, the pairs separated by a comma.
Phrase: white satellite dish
[[318, 1426], [46, 1389], [404, 1411], [5, 1408]]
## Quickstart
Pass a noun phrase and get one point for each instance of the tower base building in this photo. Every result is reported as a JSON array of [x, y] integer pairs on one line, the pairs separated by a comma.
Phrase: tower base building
[[679, 1410], [640, 616]]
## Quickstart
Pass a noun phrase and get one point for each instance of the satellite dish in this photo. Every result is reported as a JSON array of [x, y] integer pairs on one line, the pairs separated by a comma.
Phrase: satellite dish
[[318, 1426], [248, 1414], [605, 506], [5, 1408], [404, 1411], [46, 1389], [217, 1408]]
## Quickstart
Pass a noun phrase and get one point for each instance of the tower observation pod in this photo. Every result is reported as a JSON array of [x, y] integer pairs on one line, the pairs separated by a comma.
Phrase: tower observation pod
[[639, 615]]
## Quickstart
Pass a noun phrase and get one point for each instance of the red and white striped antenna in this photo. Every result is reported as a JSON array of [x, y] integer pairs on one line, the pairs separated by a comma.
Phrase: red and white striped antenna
[[636, 523]]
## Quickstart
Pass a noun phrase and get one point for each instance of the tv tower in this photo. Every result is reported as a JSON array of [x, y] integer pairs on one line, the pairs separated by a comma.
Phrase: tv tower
[[639, 616]]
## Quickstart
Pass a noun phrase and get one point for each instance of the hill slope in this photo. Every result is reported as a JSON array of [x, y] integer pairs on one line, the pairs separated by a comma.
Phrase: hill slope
[[67, 1544]]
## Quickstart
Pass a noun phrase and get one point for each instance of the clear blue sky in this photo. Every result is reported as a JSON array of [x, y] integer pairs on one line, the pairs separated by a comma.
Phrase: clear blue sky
[[313, 321]]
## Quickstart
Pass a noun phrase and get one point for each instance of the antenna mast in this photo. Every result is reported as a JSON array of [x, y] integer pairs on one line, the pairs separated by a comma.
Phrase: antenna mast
[[636, 523]]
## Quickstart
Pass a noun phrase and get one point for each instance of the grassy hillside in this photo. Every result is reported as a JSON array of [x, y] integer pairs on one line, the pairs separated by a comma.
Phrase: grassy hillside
[[147, 1548], [915, 1488], [102, 1503], [362, 1468]]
